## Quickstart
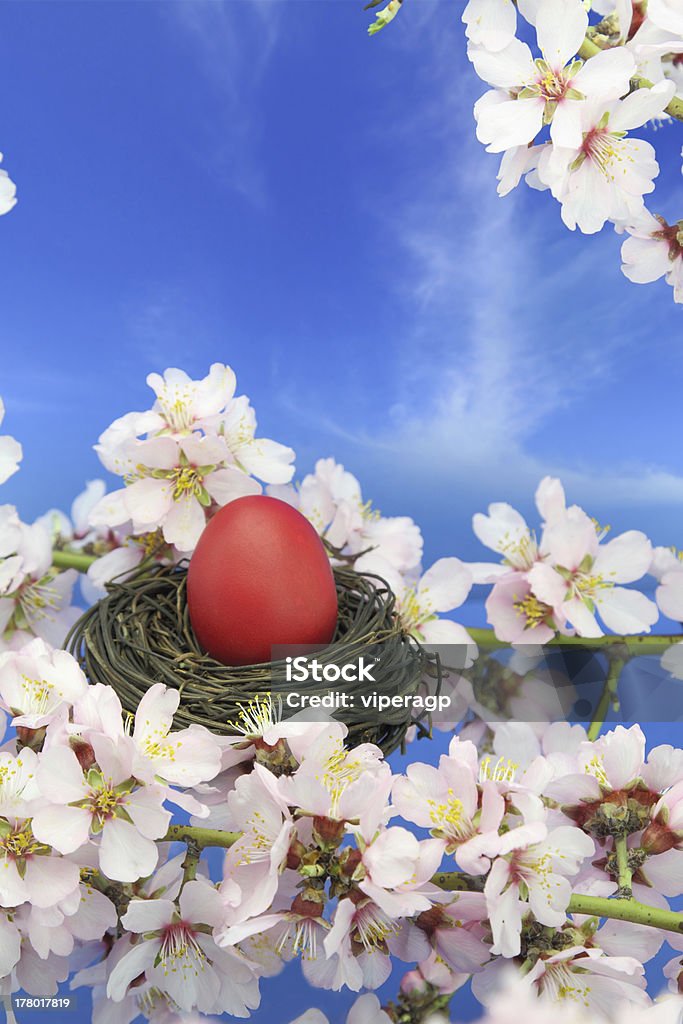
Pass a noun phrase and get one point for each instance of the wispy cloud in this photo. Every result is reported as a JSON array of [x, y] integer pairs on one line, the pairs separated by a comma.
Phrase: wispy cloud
[[233, 43], [507, 336]]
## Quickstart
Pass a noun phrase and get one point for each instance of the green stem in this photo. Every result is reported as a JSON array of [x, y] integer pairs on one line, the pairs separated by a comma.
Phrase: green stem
[[589, 49], [200, 837], [72, 560], [652, 643], [592, 906], [627, 910], [625, 875], [191, 861], [609, 696]]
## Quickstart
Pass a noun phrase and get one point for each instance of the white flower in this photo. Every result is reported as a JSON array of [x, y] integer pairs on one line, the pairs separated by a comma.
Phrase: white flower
[[8, 193], [184, 405], [10, 450], [550, 90], [194, 451], [106, 803], [253, 864], [365, 1010], [606, 175], [505, 531], [34, 598], [184, 757], [654, 250], [76, 529], [36, 682], [540, 861], [331, 500], [587, 978], [28, 869], [667, 15], [173, 484], [441, 588], [581, 577], [337, 783], [180, 959], [490, 24]]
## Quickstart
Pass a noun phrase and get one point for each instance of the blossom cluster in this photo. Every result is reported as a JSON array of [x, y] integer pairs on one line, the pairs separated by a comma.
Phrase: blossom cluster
[[462, 870], [563, 122], [496, 867]]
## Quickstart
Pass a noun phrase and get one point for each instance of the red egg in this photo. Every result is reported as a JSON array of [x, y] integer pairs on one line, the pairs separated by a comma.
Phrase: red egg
[[260, 576]]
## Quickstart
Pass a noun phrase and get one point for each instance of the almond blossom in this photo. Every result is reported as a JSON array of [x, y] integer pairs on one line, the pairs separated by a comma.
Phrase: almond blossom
[[253, 864], [331, 500], [365, 1010], [335, 783], [105, 802], [37, 682], [75, 529], [180, 959], [605, 176], [442, 588], [588, 978], [654, 250], [10, 450], [535, 863], [448, 801], [490, 24], [195, 450], [550, 90], [170, 487], [29, 869], [581, 576], [398, 869], [35, 599]]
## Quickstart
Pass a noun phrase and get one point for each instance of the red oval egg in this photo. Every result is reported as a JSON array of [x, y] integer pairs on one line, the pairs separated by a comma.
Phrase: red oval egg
[[260, 576]]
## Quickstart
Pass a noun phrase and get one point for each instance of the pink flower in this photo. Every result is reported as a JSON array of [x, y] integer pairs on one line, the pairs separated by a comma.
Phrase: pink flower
[[333, 782], [447, 800], [180, 959], [36, 682], [541, 862], [252, 866], [107, 803]]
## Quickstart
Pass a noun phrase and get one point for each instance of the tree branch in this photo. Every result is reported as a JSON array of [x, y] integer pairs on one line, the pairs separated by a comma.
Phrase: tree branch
[[200, 837], [72, 560], [593, 906]]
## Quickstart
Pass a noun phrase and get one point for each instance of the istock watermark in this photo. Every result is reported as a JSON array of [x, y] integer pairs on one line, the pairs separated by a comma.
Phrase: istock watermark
[[301, 669]]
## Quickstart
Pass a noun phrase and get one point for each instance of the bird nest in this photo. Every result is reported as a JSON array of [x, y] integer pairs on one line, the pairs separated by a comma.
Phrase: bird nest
[[140, 634]]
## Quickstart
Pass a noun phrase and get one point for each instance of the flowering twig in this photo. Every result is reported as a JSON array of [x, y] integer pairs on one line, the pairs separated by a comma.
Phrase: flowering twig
[[625, 875]]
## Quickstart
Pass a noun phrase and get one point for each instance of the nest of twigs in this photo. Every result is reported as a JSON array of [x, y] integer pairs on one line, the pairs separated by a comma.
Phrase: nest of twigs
[[140, 634]]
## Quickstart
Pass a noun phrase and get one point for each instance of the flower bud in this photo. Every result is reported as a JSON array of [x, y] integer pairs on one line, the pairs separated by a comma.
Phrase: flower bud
[[306, 907], [294, 854], [327, 832], [658, 838], [83, 751], [31, 738]]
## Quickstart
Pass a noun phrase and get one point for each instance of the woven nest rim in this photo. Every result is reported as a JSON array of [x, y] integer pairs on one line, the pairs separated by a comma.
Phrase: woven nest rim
[[140, 633]]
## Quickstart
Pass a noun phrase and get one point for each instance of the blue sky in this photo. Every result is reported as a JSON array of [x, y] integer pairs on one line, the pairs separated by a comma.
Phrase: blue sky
[[264, 185]]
